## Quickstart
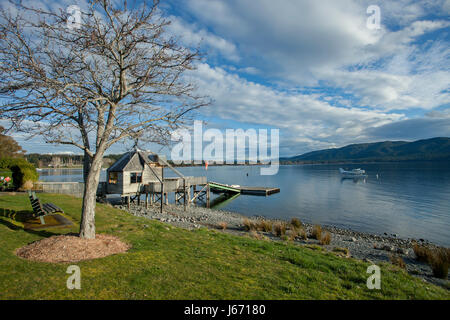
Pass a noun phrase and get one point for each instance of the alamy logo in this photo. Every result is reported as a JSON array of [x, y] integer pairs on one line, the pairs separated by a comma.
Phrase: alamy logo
[[374, 281], [374, 20], [221, 147], [74, 18], [74, 281]]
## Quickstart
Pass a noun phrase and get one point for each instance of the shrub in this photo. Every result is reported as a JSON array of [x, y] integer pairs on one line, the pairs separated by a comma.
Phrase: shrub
[[316, 232], [422, 253], [7, 163], [28, 185], [5, 172], [397, 261], [279, 229], [265, 225], [23, 172], [302, 234], [292, 234], [249, 225], [223, 225], [296, 223], [439, 261], [342, 251], [325, 239], [256, 235], [437, 258], [24, 175]]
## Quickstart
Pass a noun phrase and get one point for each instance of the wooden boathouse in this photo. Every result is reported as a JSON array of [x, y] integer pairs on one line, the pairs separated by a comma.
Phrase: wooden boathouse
[[141, 173]]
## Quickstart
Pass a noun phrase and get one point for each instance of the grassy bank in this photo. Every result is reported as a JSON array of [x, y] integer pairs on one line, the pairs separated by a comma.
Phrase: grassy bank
[[171, 263]]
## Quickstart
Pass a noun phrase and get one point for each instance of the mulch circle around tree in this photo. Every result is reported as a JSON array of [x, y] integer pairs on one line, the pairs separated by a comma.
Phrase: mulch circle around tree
[[71, 248]]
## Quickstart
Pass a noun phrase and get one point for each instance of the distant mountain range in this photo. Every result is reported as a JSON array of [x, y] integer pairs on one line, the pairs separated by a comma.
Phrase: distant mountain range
[[436, 149]]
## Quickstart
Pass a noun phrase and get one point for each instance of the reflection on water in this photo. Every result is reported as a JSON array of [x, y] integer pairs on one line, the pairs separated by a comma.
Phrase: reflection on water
[[408, 199], [355, 180], [223, 200]]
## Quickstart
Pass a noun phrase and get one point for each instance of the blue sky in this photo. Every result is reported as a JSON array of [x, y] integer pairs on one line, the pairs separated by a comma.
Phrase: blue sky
[[315, 70]]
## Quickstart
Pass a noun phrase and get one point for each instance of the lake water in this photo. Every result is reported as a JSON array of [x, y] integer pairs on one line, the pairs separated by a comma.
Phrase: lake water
[[408, 199]]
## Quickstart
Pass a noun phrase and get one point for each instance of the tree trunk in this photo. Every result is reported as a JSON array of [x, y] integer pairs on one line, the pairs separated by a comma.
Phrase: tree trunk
[[87, 226], [86, 166]]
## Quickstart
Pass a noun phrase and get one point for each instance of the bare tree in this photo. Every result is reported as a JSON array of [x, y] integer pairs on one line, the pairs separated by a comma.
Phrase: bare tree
[[117, 75]]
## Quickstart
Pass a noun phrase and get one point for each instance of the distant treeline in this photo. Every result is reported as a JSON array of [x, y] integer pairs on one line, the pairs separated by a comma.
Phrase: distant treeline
[[45, 160], [71, 160], [62, 160]]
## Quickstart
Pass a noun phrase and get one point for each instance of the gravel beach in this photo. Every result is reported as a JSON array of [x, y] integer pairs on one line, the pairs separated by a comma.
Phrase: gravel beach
[[363, 246]]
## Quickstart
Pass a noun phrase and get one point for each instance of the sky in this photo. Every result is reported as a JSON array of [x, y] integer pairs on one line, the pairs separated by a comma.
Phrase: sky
[[315, 70]]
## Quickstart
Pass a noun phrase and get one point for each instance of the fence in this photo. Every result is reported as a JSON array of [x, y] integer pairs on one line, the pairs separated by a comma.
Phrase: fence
[[73, 188]]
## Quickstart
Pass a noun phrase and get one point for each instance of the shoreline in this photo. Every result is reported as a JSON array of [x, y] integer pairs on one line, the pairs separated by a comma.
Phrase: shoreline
[[284, 163], [363, 246]]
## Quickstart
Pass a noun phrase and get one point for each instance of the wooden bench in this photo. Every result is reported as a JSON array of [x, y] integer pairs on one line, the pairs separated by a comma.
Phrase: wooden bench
[[42, 210]]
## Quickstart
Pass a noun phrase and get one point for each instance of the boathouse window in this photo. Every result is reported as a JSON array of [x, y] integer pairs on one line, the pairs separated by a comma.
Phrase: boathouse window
[[135, 177], [113, 177]]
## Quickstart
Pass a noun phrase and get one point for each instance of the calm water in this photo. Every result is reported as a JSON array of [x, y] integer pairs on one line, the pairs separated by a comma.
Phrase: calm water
[[409, 199]]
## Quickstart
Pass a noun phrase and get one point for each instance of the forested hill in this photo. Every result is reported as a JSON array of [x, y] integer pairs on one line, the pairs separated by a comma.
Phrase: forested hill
[[429, 149]]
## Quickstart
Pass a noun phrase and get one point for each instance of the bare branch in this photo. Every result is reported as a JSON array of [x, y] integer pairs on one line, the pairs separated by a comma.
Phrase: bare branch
[[119, 76]]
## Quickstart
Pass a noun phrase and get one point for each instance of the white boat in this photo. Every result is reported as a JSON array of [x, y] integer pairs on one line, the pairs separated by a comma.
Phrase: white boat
[[355, 173]]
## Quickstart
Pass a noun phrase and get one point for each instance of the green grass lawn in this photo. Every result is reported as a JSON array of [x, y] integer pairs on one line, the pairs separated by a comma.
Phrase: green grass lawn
[[171, 263]]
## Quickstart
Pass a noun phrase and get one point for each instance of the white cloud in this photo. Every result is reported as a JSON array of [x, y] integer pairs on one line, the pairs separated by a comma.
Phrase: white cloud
[[307, 43], [358, 77], [404, 12], [303, 119], [192, 35]]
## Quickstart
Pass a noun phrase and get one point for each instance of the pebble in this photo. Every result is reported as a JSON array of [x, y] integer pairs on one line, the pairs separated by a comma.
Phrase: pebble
[[402, 251]]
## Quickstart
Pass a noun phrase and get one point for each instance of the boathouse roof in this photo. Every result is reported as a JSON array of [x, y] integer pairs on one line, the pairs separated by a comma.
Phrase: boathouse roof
[[135, 161]]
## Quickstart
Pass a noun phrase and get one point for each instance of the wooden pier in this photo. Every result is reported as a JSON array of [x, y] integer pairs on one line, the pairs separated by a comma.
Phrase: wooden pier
[[257, 191]]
